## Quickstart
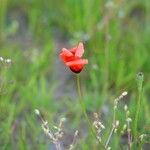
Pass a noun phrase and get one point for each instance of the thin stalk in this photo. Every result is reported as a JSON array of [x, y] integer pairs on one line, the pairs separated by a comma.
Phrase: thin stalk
[[129, 136], [137, 112], [147, 5], [140, 78], [109, 137], [47, 130], [84, 111], [107, 35], [113, 128], [106, 50], [3, 9], [57, 145], [128, 120]]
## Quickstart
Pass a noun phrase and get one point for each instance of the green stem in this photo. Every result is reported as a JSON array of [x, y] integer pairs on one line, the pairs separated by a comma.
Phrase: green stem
[[137, 113], [84, 111], [3, 9], [140, 78]]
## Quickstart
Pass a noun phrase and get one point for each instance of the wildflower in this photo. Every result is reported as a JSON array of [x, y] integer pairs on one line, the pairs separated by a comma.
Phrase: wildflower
[[73, 58]]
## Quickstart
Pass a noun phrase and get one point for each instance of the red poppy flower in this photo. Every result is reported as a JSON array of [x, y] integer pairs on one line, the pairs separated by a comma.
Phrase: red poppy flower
[[73, 58]]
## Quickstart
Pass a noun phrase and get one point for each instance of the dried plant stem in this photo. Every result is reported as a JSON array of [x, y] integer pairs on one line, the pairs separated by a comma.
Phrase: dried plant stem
[[47, 131], [84, 112], [115, 122], [113, 128], [72, 146], [57, 144], [109, 137]]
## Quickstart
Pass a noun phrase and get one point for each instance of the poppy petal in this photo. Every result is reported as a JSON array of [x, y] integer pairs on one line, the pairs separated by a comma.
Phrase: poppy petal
[[80, 50], [66, 52], [65, 55], [73, 50], [77, 62]]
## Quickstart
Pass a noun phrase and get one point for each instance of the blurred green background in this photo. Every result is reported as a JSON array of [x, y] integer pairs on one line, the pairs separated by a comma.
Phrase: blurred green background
[[116, 34]]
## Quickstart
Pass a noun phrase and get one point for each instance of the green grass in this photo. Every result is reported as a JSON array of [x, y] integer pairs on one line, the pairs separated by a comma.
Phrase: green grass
[[113, 64]]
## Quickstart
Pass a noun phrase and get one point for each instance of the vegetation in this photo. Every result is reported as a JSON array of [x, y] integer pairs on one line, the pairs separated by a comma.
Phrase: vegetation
[[116, 38]]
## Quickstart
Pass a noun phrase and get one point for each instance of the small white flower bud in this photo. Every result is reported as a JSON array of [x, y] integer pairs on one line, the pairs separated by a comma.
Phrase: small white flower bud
[[115, 107], [8, 60], [129, 119], [71, 147], [115, 131], [76, 133], [62, 119], [45, 123], [142, 136], [1, 59], [128, 113], [102, 126], [55, 127], [37, 112], [109, 148], [117, 123], [124, 127], [125, 107], [99, 138], [124, 93]]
